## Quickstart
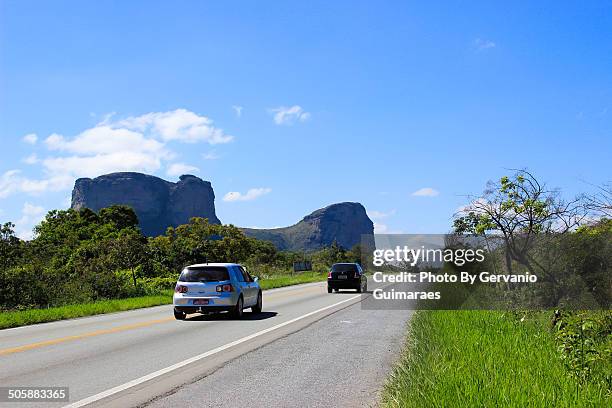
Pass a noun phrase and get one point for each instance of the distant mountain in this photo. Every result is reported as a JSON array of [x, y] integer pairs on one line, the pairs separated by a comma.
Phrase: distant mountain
[[343, 222], [158, 203]]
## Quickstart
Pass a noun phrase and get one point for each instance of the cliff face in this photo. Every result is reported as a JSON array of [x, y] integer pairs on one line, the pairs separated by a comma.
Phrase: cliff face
[[343, 222], [160, 204], [157, 203]]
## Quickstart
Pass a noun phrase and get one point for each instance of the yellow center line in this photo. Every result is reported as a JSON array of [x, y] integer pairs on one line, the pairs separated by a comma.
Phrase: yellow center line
[[82, 336], [60, 340]]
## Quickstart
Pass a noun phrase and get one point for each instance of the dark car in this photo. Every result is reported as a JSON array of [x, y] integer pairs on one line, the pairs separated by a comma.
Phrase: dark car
[[346, 276]]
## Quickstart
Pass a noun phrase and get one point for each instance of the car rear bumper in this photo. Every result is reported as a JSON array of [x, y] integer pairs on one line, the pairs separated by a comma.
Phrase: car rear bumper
[[223, 301], [344, 283], [202, 309]]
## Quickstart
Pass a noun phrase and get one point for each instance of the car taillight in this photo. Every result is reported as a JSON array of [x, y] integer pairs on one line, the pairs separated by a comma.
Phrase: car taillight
[[225, 288], [180, 289], [329, 275]]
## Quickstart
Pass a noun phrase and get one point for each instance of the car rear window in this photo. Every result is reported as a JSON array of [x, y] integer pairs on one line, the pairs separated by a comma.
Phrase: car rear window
[[344, 268], [204, 274]]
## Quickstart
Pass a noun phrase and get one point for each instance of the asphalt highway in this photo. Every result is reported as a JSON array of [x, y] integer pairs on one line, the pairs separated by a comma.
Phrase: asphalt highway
[[307, 348]]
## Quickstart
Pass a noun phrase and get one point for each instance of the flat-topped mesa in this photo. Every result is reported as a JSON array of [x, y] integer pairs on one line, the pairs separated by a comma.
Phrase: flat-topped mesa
[[344, 223], [158, 203]]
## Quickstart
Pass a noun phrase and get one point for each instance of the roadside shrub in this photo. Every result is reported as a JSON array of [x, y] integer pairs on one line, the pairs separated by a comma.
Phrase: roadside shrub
[[157, 285], [21, 287], [585, 344]]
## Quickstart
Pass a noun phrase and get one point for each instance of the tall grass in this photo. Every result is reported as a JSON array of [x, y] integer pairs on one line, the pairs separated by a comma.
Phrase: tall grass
[[483, 359]]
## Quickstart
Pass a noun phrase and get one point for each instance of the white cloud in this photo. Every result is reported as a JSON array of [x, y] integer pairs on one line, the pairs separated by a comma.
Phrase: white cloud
[[210, 156], [13, 181], [480, 202], [30, 210], [55, 141], [178, 169], [106, 140], [104, 149], [252, 194], [426, 192], [93, 166], [31, 215], [237, 110], [180, 124], [31, 159], [380, 228], [139, 143], [377, 215], [9, 183], [481, 44], [67, 201], [30, 138], [106, 118], [289, 115]]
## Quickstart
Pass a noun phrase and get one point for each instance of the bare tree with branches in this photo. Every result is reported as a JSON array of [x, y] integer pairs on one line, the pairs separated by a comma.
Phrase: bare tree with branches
[[600, 203], [520, 208]]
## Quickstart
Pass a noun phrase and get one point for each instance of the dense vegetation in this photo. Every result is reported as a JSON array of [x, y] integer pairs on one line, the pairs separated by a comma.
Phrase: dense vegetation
[[542, 348], [83, 256], [536, 232], [490, 359]]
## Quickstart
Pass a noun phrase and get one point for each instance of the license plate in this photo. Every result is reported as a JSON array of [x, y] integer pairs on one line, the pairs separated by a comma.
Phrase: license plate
[[342, 276], [200, 302]]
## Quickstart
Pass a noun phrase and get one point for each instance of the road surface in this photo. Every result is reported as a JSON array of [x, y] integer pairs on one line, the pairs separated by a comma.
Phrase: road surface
[[307, 348]]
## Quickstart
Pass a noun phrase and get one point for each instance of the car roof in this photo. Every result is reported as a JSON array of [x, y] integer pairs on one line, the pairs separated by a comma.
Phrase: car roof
[[213, 264], [346, 263]]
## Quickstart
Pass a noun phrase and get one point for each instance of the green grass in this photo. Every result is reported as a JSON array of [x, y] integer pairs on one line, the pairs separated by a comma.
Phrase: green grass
[[33, 316], [277, 281], [483, 359]]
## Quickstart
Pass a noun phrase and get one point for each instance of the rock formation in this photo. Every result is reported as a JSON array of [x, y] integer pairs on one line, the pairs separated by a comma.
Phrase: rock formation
[[158, 203], [343, 222]]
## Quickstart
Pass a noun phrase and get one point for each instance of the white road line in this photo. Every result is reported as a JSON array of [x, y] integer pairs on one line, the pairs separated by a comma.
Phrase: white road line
[[209, 353]]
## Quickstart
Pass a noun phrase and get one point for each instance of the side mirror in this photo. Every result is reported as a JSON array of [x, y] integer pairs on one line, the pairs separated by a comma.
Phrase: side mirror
[[255, 278]]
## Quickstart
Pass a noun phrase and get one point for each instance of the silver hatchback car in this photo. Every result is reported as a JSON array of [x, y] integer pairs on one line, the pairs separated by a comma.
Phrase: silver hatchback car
[[216, 287]]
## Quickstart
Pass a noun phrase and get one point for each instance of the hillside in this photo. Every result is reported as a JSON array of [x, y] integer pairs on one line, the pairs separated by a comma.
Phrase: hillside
[[343, 222]]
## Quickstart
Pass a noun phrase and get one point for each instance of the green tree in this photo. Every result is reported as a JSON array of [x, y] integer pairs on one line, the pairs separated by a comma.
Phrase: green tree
[[11, 247], [331, 255], [129, 250], [121, 216], [520, 208], [356, 255]]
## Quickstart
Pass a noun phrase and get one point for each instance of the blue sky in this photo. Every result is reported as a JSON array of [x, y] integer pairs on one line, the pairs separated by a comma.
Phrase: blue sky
[[339, 101]]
